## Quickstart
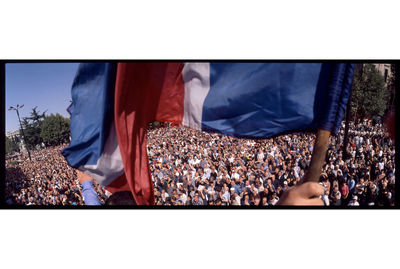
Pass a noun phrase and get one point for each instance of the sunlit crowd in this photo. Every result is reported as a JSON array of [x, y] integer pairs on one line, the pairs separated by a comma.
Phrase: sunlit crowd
[[196, 168], [190, 167], [45, 180]]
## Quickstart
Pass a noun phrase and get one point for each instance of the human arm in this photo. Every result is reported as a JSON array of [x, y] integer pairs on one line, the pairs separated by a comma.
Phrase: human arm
[[89, 194], [309, 191]]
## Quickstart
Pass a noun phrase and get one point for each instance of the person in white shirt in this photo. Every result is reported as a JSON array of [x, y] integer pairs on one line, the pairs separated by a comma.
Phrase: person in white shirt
[[260, 155], [235, 175], [296, 170], [354, 201], [381, 165], [164, 195], [191, 161], [207, 171], [196, 160]]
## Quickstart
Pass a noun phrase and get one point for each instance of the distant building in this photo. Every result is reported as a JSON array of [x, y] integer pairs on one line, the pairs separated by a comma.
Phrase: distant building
[[384, 70], [21, 144], [12, 134]]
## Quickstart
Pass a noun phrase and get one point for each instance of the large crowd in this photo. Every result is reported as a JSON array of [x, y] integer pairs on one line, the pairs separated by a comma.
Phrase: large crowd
[[46, 179], [196, 168], [190, 167]]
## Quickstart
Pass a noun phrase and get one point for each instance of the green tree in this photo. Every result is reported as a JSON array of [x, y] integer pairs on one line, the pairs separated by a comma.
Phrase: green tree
[[36, 117], [55, 130], [391, 85], [32, 134], [16, 139], [32, 128], [11, 145], [369, 93]]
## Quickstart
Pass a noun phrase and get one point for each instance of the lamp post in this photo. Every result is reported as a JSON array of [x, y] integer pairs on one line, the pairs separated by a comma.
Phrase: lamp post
[[20, 125]]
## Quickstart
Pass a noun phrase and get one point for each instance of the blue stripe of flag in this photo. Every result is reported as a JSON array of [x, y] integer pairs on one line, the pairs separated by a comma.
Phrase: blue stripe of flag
[[92, 112], [259, 100]]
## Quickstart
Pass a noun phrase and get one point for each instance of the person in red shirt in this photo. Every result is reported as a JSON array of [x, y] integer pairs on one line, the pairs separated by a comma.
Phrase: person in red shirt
[[345, 191]]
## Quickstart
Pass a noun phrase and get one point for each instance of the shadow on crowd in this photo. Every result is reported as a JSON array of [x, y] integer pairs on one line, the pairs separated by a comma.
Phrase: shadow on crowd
[[16, 180]]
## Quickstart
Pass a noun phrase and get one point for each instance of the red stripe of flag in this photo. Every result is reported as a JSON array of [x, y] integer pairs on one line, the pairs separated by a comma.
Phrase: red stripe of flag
[[144, 92]]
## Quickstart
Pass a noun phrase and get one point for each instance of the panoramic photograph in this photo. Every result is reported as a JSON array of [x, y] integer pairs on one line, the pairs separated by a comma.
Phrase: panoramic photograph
[[144, 133], [200, 134]]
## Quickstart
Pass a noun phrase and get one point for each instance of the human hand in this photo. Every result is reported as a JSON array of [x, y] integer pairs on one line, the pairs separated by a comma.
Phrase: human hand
[[304, 194], [82, 177]]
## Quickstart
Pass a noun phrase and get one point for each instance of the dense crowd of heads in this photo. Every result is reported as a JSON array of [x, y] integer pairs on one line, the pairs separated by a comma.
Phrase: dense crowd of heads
[[366, 175], [190, 167], [45, 180], [196, 168]]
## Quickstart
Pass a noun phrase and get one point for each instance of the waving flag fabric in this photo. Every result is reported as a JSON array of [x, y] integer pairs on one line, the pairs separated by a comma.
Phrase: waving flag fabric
[[113, 105]]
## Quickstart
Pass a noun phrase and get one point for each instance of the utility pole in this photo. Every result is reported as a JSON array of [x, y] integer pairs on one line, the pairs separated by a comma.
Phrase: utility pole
[[22, 129]]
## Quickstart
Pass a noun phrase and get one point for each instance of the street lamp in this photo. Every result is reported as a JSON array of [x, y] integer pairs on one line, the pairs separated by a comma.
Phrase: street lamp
[[20, 125]]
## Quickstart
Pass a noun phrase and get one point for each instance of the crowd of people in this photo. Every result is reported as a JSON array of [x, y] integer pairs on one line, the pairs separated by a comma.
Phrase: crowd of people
[[190, 167], [46, 179], [195, 168]]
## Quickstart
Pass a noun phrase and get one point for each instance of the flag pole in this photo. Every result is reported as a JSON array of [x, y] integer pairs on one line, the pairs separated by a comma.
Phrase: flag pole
[[346, 129], [318, 156]]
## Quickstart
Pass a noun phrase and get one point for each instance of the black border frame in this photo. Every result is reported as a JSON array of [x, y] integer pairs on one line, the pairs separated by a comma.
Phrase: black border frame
[[3, 63]]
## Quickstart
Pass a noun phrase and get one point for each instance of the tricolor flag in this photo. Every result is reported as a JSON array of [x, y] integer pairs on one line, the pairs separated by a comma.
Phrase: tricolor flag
[[112, 105]]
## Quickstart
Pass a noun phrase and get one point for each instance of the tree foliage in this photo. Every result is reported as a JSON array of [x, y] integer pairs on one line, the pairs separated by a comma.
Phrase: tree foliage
[[15, 139], [32, 128], [391, 84], [55, 130], [369, 93], [50, 130], [11, 145], [36, 117]]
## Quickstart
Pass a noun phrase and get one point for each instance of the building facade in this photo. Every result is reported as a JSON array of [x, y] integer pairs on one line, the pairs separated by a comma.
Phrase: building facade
[[384, 70], [21, 143], [12, 134]]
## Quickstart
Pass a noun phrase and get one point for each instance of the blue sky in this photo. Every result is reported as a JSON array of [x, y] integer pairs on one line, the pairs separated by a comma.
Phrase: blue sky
[[45, 85]]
